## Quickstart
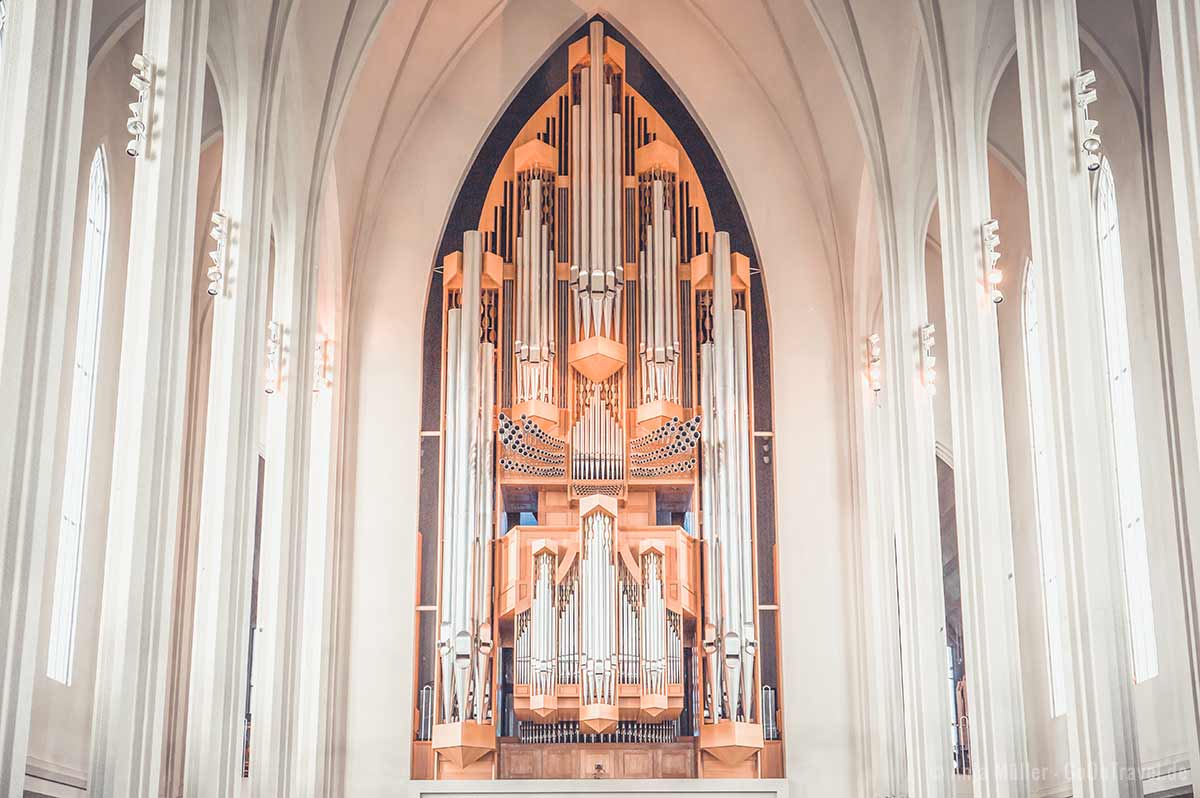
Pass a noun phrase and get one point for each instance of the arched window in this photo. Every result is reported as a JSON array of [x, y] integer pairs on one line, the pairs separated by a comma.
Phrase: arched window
[[79, 434], [1124, 427], [1044, 492], [3, 23]]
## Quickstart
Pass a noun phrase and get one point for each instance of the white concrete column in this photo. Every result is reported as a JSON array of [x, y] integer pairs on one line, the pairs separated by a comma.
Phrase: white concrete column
[[910, 462], [999, 758], [131, 686], [224, 555], [45, 71], [1102, 732], [284, 561], [883, 719], [1179, 37]]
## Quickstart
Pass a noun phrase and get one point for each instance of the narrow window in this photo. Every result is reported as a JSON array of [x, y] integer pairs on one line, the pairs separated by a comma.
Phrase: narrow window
[[1124, 428], [258, 524], [79, 434], [1044, 492]]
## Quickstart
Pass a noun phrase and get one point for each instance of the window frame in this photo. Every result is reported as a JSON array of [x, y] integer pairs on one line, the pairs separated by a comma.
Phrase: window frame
[[81, 425]]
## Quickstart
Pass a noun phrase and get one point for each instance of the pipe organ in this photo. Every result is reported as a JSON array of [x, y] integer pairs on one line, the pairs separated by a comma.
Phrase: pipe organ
[[597, 562]]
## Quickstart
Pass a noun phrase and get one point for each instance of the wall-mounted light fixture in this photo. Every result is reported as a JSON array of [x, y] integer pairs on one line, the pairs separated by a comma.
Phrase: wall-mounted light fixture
[[322, 364], [875, 363], [992, 275], [1085, 127], [217, 258], [139, 121], [928, 360], [274, 356]]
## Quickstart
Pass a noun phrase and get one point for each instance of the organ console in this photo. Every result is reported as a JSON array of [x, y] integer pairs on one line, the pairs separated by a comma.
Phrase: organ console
[[597, 558]]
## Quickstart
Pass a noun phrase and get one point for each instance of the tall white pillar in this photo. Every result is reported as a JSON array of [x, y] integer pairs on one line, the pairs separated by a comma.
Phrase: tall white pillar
[[1179, 37], [910, 451], [999, 759], [884, 699], [131, 686], [45, 71], [284, 562], [224, 555], [1102, 732]]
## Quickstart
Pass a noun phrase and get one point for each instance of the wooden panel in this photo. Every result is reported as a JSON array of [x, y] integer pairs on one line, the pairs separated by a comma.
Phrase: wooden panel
[[772, 759], [637, 764], [476, 771], [522, 762], [598, 764], [675, 763], [560, 762], [422, 761], [713, 768], [578, 761]]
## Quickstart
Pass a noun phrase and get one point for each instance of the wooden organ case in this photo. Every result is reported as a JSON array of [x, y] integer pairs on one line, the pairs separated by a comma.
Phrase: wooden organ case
[[597, 611]]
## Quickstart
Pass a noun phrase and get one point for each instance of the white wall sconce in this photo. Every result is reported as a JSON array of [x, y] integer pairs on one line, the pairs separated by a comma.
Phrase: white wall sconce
[[274, 356], [217, 258], [322, 365], [992, 275], [139, 122], [875, 363], [928, 360], [1085, 127]]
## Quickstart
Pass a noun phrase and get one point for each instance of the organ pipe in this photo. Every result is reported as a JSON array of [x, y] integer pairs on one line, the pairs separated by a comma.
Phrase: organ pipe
[[731, 643], [534, 343], [465, 638], [597, 268]]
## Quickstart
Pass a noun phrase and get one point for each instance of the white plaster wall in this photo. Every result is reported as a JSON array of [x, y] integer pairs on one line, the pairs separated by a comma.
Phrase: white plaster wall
[[391, 273]]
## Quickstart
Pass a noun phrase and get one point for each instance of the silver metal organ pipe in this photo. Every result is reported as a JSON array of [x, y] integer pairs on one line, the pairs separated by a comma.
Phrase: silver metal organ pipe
[[741, 446], [485, 452], [464, 643], [450, 558]]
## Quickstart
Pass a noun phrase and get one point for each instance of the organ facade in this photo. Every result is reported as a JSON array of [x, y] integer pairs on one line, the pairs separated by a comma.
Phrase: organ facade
[[598, 564]]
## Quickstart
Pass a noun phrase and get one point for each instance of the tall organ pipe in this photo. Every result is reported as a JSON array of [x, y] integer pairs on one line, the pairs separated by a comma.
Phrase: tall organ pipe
[[464, 640], [597, 265], [727, 478]]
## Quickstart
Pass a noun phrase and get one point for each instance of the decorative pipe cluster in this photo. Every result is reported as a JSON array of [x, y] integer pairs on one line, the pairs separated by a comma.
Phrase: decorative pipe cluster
[[465, 636], [658, 294], [654, 631], [627, 731], [631, 627], [730, 641], [526, 469], [597, 442], [525, 440], [597, 267], [666, 469], [513, 432], [567, 607], [683, 443], [543, 647], [666, 431], [598, 626], [536, 287]]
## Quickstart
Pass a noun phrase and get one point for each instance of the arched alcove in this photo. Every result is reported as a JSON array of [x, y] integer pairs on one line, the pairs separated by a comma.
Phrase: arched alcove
[[385, 356]]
